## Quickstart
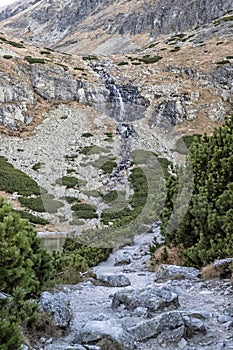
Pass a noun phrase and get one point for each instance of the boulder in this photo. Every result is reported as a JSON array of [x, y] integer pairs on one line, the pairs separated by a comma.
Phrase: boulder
[[223, 267], [168, 326], [193, 326], [123, 258], [112, 281], [171, 272], [56, 304], [153, 299], [106, 334]]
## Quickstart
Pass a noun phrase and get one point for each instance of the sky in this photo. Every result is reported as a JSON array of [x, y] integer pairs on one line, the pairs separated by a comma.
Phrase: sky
[[6, 2]]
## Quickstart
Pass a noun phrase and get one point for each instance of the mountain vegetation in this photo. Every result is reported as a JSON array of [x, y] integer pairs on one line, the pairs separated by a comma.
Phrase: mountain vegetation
[[205, 232]]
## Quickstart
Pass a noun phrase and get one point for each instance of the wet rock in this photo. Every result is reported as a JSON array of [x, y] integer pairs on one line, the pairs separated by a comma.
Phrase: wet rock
[[112, 281], [153, 299], [56, 304], [123, 258], [193, 326], [168, 322], [170, 272], [107, 334]]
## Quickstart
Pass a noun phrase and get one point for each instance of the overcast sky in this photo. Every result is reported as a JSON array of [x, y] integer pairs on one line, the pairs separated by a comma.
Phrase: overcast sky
[[6, 2]]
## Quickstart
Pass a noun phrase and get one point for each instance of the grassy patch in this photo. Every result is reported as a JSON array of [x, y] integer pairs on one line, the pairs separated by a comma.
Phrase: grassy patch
[[13, 43], [91, 193]]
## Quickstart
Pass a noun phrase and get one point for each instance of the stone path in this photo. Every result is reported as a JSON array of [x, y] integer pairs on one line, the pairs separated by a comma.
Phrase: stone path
[[205, 310]]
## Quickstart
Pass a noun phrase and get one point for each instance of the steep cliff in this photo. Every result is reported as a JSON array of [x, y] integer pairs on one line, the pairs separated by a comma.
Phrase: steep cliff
[[90, 25]]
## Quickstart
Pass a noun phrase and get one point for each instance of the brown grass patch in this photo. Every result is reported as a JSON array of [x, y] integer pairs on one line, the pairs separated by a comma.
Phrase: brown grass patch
[[173, 257]]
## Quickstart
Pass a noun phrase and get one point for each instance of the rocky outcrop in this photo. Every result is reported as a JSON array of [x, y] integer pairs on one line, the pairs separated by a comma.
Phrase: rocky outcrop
[[50, 22], [153, 299], [106, 334], [112, 281], [56, 304], [171, 272]]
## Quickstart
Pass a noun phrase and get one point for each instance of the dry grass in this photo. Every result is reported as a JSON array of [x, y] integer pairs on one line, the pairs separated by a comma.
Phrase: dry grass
[[173, 257]]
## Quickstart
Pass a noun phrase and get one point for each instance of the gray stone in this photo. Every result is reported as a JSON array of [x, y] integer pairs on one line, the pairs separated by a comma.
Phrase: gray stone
[[193, 326], [123, 258], [112, 281], [171, 322], [106, 334], [56, 304], [223, 267], [153, 299], [229, 310], [169, 272]]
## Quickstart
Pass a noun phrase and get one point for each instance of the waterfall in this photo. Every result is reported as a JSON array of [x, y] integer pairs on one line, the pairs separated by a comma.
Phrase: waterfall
[[121, 103]]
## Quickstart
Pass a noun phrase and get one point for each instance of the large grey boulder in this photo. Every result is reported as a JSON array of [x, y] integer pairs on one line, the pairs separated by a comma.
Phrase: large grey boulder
[[106, 334], [112, 281], [153, 299], [168, 326], [56, 304], [171, 272]]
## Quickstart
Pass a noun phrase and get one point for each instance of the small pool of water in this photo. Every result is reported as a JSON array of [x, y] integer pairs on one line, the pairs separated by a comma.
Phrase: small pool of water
[[51, 243]]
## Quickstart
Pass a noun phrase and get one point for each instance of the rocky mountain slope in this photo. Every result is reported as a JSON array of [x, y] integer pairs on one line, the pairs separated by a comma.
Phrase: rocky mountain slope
[[68, 115], [105, 26]]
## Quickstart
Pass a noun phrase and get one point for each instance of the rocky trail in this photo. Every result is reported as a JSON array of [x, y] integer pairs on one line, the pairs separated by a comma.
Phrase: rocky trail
[[129, 307]]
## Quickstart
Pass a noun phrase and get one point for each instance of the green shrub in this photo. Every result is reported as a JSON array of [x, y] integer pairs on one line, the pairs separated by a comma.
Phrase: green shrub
[[45, 52], [18, 45], [32, 218], [90, 58], [7, 57], [87, 134], [223, 62], [110, 196], [205, 232], [25, 269], [37, 166], [43, 203], [84, 211], [68, 181], [14, 180], [78, 68], [108, 166], [123, 63], [33, 60], [149, 60]]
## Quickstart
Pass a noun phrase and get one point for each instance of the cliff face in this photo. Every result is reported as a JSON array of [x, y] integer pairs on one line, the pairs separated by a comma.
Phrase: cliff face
[[86, 25]]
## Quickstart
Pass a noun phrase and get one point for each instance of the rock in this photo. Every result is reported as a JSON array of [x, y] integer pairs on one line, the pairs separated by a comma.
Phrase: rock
[[171, 272], [107, 334], [56, 304], [153, 299], [229, 311], [24, 347], [112, 281], [193, 326], [123, 258], [169, 322], [222, 266]]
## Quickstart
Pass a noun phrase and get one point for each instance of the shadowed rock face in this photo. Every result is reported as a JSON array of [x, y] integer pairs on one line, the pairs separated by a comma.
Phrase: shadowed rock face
[[51, 21]]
